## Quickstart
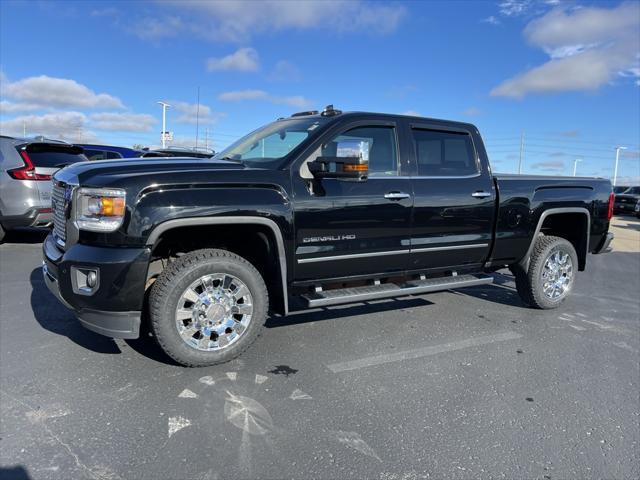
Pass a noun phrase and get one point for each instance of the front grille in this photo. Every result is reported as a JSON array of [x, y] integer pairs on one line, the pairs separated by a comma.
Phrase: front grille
[[59, 204]]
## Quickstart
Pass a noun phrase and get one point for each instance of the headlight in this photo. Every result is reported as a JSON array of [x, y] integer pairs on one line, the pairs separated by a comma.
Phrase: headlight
[[100, 209]]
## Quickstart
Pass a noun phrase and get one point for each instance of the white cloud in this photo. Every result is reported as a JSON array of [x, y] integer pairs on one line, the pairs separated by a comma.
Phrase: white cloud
[[70, 126], [18, 107], [549, 165], [50, 92], [491, 19], [514, 8], [242, 60], [123, 122], [285, 71], [297, 101], [472, 112], [588, 48], [190, 114], [238, 21]]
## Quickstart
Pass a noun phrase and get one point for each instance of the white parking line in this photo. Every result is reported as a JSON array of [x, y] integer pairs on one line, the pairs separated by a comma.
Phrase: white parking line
[[420, 352]]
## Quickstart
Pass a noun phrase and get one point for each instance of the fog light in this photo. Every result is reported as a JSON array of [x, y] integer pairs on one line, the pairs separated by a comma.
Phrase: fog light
[[85, 281], [92, 279]]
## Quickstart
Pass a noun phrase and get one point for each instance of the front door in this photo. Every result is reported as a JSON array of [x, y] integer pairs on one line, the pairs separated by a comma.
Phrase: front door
[[454, 202], [348, 228]]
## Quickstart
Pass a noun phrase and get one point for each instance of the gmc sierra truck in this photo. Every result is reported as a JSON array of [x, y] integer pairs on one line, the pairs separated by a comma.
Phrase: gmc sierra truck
[[309, 211]]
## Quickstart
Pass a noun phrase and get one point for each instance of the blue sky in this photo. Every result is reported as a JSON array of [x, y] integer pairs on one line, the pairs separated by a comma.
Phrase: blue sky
[[565, 73]]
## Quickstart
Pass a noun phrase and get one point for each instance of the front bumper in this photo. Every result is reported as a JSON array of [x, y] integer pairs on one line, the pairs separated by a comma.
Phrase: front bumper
[[605, 246], [115, 308]]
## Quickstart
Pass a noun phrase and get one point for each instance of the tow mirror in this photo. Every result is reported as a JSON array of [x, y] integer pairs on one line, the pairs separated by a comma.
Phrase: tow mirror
[[350, 163]]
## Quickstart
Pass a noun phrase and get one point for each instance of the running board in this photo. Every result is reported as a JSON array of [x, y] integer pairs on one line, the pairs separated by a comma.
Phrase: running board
[[325, 298]]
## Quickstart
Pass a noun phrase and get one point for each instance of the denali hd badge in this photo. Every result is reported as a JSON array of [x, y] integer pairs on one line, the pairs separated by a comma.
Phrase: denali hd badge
[[328, 238]]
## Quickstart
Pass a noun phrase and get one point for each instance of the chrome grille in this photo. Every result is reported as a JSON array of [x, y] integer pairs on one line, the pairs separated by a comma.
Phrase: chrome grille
[[59, 205]]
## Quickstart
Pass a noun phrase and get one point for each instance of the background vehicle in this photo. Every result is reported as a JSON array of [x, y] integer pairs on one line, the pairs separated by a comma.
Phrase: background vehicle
[[637, 209], [619, 189], [625, 202], [309, 211], [179, 152], [26, 166], [108, 152]]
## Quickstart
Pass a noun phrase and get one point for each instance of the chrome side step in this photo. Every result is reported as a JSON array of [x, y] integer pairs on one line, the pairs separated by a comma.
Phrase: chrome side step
[[325, 298]]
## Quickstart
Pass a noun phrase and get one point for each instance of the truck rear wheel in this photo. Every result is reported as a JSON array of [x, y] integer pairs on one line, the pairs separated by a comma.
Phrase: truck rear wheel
[[551, 274], [207, 307]]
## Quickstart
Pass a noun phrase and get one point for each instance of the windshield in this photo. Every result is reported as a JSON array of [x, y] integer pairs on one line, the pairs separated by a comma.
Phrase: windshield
[[632, 191], [268, 145]]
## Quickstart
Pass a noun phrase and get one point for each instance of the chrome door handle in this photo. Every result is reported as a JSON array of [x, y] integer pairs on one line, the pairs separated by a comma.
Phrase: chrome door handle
[[480, 194], [396, 195]]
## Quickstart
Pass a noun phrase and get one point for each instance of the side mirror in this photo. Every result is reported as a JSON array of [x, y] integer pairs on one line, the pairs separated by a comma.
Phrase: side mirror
[[350, 163]]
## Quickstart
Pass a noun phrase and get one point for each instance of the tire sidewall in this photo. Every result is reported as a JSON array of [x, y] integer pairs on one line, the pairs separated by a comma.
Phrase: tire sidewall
[[165, 327], [535, 273]]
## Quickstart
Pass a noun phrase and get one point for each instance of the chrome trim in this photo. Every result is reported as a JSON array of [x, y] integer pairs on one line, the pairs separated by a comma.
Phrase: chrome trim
[[452, 247], [480, 194], [351, 256], [243, 220], [396, 195]]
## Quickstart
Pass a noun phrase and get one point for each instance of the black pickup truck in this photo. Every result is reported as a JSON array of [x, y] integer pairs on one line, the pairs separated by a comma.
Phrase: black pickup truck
[[309, 211]]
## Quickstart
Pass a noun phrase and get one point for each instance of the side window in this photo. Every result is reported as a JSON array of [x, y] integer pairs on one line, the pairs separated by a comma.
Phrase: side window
[[95, 154], [444, 154], [381, 145], [112, 155]]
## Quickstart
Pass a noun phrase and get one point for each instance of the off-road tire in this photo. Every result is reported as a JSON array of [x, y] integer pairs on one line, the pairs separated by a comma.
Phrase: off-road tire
[[2, 233], [529, 283], [171, 283]]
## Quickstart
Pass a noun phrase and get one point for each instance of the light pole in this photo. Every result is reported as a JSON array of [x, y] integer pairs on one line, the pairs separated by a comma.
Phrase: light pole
[[164, 121], [615, 170], [575, 165]]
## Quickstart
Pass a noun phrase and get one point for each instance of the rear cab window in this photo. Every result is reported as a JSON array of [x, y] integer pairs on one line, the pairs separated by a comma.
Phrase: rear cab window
[[441, 153]]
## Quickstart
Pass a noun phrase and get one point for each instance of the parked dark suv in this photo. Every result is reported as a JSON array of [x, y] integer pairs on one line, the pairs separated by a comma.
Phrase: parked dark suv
[[26, 167], [626, 201]]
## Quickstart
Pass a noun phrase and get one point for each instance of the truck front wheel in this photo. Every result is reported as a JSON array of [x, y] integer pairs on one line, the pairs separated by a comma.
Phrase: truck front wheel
[[207, 307], [551, 274]]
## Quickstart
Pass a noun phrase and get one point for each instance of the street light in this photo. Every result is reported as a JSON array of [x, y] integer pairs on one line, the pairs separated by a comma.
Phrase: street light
[[575, 165], [164, 121], [615, 170]]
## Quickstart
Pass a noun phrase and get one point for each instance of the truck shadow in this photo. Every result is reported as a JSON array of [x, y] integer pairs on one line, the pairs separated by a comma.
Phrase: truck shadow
[[338, 311], [54, 317]]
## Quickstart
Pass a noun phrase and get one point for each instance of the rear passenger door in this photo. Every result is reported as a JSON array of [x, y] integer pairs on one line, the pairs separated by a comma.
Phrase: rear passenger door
[[453, 199]]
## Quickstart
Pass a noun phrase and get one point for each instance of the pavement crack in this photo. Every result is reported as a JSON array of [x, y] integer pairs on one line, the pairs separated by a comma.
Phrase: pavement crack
[[61, 442]]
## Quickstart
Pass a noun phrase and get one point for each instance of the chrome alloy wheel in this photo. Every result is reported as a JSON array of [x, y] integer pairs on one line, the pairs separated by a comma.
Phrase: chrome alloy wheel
[[557, 274], [214, 312]]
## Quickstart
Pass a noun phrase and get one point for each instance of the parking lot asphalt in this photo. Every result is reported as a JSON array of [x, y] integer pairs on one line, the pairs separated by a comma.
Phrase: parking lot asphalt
[[462, 384]]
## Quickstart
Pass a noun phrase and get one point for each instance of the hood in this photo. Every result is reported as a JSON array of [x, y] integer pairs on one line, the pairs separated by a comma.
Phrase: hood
[[105, 172]]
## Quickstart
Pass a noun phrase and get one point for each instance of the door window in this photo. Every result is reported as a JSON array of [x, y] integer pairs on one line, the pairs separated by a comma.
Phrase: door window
[[380, 142], [444, 154]]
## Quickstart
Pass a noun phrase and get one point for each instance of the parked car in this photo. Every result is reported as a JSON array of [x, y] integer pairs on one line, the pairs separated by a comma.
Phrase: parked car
[[179, 152], [637, 209], [305, 212], [26, 167], [108, 152], [625, 202], [619, 189]]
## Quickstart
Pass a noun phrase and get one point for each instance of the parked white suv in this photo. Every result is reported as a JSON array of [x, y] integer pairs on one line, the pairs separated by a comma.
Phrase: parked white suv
[[26, 167]]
